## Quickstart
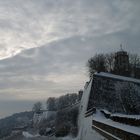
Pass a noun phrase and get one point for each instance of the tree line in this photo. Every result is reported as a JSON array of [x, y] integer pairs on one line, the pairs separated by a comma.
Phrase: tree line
[[58, 103], [65, 121], [106, 63]]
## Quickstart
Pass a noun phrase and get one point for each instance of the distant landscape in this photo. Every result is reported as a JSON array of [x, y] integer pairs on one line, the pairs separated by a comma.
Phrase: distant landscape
[[19, 119]]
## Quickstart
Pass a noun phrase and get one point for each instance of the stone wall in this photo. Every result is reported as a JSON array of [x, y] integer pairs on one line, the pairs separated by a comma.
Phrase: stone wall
[[106, 93]]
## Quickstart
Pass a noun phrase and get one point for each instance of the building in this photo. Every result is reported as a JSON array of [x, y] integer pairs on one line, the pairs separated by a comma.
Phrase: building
[[123, 67], [122, 63]]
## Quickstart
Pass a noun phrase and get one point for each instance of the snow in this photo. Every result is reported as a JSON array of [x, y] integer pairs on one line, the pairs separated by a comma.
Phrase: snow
[[106, 111], [126, 116], [68, 138], [121, 115], [88, 133], [84, 103], [85, 123], [100, 118], [28, 135], [118, 77]]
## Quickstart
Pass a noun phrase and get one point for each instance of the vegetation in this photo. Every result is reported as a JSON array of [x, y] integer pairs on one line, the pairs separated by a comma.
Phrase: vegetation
[[64, 122], [62, 102], [129, 94], [37, 107], [70, 116], [106, 63]]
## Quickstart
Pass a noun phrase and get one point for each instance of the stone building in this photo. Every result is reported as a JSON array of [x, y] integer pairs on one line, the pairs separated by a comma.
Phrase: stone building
[[123, 67], [122, 63]]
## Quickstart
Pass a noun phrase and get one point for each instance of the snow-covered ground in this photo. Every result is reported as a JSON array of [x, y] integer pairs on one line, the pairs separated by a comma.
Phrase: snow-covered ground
[[87, 132], [28, 135]]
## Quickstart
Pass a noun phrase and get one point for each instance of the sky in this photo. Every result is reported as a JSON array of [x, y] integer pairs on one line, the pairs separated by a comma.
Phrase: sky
[[45, 44]]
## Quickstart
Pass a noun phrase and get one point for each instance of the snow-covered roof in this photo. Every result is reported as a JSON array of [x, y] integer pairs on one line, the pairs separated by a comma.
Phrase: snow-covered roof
[[109, 75]]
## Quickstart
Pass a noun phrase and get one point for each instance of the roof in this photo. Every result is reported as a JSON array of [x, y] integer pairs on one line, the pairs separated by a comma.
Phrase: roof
[[109, 75]]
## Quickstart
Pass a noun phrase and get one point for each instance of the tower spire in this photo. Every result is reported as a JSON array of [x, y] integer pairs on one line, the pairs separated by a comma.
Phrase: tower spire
[[121, 47]]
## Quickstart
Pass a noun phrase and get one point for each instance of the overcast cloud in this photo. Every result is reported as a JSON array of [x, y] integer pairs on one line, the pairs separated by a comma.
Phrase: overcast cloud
[[45, 44]]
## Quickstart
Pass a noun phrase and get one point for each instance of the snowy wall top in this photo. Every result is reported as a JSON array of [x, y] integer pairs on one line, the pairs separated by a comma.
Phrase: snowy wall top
[[113, 76]]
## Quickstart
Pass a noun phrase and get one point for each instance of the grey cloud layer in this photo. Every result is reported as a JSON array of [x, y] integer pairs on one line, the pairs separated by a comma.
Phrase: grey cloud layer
[[27, 24]]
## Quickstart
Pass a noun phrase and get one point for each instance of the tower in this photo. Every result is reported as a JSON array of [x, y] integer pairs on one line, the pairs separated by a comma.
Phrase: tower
[[121, 62]]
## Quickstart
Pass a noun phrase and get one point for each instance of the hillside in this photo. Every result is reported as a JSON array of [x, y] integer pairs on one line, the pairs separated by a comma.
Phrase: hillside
[[16, 120]]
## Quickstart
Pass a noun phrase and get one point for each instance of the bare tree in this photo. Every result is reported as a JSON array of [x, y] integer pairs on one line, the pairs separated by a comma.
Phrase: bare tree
[[37, 107], [51, 104], [96, 64], [134, 59], [129, 96], [110, 60]]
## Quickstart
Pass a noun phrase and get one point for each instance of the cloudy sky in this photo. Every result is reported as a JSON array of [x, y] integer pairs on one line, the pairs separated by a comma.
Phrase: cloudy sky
[[45, 44]]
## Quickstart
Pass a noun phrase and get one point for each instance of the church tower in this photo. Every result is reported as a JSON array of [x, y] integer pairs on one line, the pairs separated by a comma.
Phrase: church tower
[[122, 63]]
